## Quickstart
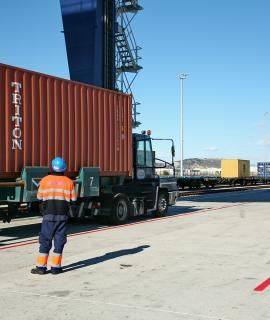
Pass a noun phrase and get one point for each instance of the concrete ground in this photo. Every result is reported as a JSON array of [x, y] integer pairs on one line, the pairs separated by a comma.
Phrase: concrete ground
[[201, 262]]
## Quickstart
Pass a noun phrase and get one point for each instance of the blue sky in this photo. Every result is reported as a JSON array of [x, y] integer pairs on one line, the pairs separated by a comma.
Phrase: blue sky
[[222, 44]]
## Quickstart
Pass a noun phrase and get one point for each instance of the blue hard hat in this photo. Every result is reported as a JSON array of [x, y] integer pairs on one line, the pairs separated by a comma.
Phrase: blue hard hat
[[59, 164]]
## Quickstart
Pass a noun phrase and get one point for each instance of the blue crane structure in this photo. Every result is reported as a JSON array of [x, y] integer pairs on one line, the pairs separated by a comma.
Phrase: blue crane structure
[[101, 47]]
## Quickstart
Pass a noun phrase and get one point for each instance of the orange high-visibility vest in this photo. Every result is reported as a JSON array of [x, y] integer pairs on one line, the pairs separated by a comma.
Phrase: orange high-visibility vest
[[57, 191]]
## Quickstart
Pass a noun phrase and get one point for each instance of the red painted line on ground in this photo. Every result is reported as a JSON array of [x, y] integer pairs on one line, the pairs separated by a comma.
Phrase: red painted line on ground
[[176, 215], [263, 285], [19, 245]]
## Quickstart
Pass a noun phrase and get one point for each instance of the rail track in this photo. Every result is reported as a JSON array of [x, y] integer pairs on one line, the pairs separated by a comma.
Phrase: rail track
[[219, 189]]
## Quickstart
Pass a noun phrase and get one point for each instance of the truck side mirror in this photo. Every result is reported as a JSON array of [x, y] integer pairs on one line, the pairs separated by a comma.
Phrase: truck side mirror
[[173, 151]]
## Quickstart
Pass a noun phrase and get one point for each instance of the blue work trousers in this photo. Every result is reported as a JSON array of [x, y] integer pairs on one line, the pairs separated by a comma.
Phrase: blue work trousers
[[55, 231]]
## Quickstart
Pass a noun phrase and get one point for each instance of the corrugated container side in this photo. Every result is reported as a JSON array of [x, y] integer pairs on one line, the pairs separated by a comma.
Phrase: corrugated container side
[[235, 168], [44, 116], [244, 168], [263, 169]]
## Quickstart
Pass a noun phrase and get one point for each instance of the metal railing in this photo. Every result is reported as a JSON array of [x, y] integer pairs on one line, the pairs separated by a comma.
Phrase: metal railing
[[127, 50]]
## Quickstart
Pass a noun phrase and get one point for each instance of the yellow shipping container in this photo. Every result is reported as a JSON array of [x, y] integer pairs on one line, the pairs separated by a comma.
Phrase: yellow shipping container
[[235, 168]]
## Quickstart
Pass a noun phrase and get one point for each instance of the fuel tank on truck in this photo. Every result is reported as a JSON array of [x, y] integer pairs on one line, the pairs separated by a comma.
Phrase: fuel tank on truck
[[42, 117]]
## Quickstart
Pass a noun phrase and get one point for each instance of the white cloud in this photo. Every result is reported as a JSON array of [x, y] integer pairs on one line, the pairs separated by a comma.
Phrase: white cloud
[[264, 142], [211, 149], [261, 124]]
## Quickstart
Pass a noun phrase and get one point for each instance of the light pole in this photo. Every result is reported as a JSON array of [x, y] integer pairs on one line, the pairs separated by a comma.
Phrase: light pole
[[183, 76]]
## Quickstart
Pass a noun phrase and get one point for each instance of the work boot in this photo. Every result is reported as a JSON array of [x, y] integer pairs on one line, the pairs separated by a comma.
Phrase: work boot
[[39, 271], [56, 263], [56, 270]]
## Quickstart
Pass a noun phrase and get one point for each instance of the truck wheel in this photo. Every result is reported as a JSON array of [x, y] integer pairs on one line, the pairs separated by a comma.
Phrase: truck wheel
[[162, 206], [120, 211]]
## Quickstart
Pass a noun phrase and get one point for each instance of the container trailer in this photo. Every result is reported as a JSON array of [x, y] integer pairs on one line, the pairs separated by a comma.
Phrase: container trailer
[[91, 128]]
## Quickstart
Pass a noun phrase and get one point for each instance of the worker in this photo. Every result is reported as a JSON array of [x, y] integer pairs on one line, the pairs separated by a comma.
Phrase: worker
[[56, 192]]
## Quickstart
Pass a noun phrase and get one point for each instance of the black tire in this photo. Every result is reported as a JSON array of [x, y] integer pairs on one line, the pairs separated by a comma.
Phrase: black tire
[[120, 211], [162, 205]]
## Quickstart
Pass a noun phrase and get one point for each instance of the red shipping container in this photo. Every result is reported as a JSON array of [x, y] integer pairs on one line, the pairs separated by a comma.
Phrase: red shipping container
[[42, 117]]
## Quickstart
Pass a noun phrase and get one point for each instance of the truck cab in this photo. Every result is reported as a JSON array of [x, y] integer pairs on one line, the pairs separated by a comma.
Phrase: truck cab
[[145, 192]]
